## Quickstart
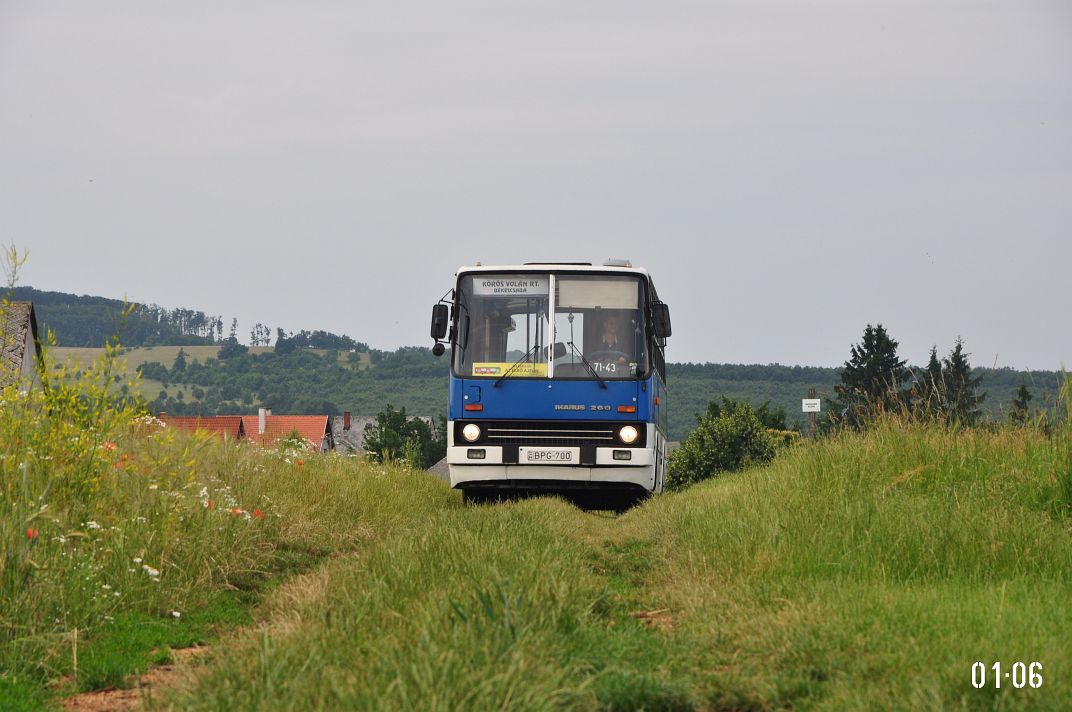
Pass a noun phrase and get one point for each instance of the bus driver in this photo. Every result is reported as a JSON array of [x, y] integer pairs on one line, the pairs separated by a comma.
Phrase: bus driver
[[614, 346]]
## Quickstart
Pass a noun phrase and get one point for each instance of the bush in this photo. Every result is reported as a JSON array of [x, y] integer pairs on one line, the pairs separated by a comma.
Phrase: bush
[[726, 439], [395, 437]]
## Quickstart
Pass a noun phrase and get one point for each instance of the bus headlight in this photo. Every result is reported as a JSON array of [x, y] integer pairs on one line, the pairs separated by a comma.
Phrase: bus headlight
[[628, 434], [471, 432]]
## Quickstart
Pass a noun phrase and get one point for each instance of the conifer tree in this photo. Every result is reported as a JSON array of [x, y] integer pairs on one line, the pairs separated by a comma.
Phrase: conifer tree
[[873, 380], [1021, 405], [963, 401], [930, 391], [180, 362]]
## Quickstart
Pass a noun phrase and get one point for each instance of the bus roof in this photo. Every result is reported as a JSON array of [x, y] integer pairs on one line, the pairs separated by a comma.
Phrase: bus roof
[[553, 267]]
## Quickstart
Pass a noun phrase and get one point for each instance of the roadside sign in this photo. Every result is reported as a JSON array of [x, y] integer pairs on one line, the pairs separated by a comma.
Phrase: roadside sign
[[810, 405]]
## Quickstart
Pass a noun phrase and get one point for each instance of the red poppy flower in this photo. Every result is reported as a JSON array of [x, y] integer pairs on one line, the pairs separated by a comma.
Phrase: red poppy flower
[[109, 445], [32, 534], [300, 463], [258, 514]]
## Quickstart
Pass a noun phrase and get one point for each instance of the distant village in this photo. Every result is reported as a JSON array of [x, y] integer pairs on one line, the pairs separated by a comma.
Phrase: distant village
[[21, 359], [316, 433]]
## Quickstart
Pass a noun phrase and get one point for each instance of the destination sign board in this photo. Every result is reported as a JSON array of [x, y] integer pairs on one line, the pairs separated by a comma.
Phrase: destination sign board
[[493, 286]]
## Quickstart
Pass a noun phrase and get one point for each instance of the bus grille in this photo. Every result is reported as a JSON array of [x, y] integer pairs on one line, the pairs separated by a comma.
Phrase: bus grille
[[565, 433]]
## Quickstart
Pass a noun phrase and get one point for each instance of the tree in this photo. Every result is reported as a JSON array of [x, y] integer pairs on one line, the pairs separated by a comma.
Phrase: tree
[[1021, 406], [231, 348], [929, 391], [283, 345], [963, 402], [730, 437], [180, 362], [261, 335], [771, 419], [395, 437], [872, 380]]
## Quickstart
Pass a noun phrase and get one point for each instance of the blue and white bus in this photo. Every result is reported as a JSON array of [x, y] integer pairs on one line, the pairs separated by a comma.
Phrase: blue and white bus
[[557, 382]]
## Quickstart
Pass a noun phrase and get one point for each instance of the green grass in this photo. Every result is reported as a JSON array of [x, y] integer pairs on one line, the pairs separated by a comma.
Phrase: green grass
[[131, 641], [866, 572], [109, 526], [138, 355]]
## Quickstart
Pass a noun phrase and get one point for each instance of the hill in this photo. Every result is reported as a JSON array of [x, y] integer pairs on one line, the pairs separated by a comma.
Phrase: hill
[[88, 321], [329, 381], [692, 386], [320, 372]]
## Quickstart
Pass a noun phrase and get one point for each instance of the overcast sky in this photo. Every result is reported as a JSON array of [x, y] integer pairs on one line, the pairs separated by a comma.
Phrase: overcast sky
[[787, 171]]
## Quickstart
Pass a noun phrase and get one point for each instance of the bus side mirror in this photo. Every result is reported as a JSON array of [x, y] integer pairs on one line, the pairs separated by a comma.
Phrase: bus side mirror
[[440, 320], [661, 324], [559, 350]]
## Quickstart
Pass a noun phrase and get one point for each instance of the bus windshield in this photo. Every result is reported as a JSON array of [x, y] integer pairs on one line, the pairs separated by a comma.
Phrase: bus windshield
[[509, 325]]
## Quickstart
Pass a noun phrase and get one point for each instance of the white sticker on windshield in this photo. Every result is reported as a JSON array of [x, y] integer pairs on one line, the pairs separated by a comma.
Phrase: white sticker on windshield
[[509, 286]]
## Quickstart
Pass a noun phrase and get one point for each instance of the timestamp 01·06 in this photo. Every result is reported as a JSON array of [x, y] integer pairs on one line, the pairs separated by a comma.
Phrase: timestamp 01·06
[[1022, 675]]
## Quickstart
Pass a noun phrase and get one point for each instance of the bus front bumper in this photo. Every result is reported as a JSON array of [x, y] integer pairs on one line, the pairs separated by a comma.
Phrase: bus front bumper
[[638, 470]]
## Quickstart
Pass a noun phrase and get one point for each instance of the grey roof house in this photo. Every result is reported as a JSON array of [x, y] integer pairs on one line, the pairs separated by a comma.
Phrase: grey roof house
[[20, 347], [349, 432]]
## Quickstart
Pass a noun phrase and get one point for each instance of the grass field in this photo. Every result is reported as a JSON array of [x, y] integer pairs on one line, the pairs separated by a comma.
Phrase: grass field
[[134, 357], [860, 572], [138, 355], [865, 573]]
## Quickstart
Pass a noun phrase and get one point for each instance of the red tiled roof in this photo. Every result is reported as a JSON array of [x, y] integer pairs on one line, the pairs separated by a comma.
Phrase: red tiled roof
[[226, 426], [311, 428]]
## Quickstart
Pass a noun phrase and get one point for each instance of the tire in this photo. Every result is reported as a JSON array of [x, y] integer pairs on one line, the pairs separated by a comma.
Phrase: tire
[[471, 497]]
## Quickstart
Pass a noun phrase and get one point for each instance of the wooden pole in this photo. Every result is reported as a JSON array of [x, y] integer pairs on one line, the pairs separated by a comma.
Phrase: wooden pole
[[811, 416]]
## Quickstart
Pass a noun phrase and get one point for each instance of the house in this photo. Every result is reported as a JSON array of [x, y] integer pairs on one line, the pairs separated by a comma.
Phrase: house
[[20, 346], [227, 427], [349, 431], [267, 429]]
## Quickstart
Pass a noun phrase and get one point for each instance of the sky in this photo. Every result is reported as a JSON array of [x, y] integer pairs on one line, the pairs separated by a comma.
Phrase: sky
[[788, 172]]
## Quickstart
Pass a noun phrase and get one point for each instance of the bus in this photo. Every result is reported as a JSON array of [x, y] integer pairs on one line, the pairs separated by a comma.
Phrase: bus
[[557, 382]]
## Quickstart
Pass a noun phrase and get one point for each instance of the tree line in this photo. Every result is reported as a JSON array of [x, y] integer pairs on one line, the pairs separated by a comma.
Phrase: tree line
[[876, 380], [85, 321], [873, 382]]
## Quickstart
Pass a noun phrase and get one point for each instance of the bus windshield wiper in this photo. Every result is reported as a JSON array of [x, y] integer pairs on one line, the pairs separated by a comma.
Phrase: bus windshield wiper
[[516, 364], [590, 367]]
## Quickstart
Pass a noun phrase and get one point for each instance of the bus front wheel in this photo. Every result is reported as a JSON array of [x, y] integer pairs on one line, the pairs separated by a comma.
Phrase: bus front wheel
[[471, 496]]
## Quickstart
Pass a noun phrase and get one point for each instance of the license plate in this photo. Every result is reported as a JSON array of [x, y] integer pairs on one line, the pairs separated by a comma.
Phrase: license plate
[[548, 455]]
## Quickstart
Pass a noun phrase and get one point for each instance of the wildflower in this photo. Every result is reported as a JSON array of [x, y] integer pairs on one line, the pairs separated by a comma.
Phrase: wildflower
[[150, 570], [32, 534], [237, 512], [92, 525], [154, 486], [300, 463], [137, 559], [108, 445], [258, 514], [106, 587], [176, 614]]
